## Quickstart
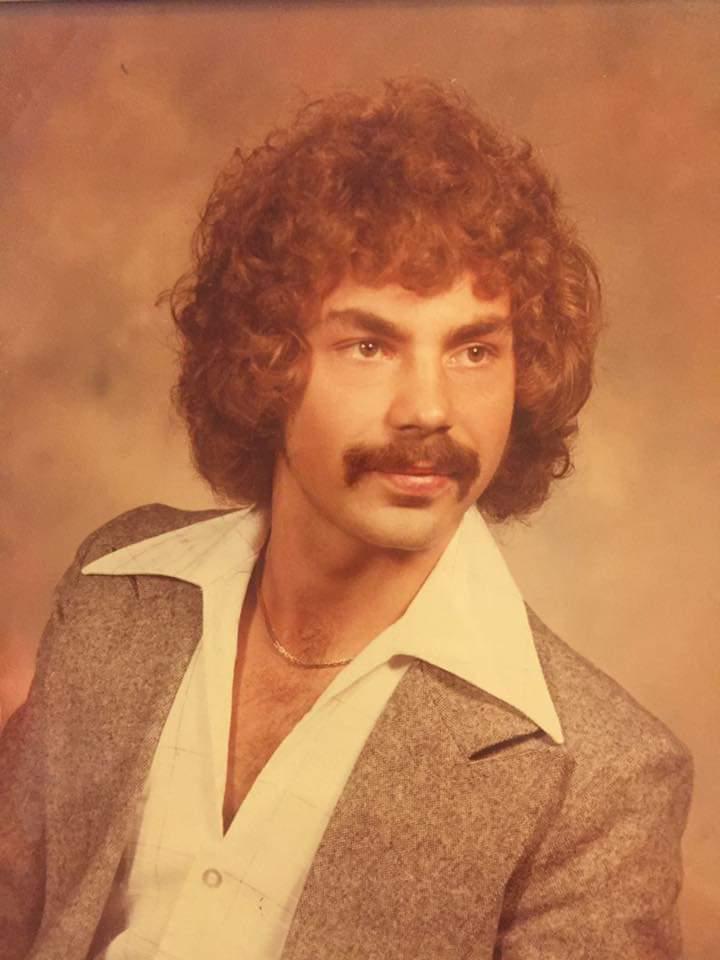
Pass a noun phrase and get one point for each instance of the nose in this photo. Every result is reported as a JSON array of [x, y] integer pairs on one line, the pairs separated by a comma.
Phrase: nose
[[420, 400]]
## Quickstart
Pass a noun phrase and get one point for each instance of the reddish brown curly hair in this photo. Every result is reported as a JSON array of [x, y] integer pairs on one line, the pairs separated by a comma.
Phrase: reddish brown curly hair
[[411, 187]]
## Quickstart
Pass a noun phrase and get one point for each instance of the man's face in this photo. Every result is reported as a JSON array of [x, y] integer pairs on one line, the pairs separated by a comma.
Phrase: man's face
[[405, 414]]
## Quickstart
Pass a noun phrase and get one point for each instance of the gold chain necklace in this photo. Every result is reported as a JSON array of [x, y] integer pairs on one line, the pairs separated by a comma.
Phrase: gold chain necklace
[[284, 652]]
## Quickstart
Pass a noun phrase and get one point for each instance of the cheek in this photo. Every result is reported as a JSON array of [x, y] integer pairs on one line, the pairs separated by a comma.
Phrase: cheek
[[333, 414], [487, 413], [504, 399], [317, 433]]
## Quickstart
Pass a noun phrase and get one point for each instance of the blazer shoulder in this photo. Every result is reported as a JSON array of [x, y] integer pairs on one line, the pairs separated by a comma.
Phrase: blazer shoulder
[[602, 721], [86, 608], [140, 523]]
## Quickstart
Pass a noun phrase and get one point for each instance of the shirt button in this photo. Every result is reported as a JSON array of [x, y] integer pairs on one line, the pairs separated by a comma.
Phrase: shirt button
[[212, 878]]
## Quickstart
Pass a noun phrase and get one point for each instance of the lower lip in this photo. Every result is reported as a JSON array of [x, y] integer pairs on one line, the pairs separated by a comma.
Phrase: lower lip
[[416, 484]]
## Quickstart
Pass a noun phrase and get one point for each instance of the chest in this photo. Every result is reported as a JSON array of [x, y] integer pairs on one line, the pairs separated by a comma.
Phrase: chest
[[268, 703]]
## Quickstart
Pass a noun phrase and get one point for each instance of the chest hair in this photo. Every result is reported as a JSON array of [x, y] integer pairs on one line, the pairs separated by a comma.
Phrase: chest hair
[[270, 696]]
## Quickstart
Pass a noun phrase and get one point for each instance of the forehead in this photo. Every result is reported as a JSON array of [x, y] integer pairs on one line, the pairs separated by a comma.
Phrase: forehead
[[460, 304]]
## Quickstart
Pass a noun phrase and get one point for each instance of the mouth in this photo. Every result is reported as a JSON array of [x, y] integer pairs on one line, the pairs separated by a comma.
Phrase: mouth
[[418, 481], [417, 469], [421, 470]]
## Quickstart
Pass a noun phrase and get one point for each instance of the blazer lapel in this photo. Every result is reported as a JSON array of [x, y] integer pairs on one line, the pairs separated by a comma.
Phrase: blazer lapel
[[443, 802], [107, 733]]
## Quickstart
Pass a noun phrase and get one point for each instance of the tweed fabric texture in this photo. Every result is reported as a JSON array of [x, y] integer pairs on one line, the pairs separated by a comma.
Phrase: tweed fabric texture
[[463, 831]]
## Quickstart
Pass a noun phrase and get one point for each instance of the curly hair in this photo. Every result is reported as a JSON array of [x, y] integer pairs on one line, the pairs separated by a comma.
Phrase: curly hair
[[410, 187]]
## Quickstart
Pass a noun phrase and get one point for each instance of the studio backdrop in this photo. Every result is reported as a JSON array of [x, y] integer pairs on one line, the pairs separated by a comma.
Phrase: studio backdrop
[[114, 120]]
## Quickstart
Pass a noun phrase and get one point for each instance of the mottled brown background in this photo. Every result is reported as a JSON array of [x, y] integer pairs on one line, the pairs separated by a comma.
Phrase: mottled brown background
[[114, 121]]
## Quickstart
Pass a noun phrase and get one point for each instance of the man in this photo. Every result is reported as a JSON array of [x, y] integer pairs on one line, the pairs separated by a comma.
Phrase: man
[[324, 725]]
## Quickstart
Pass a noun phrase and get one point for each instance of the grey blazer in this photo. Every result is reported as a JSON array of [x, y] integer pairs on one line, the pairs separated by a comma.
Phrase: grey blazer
[[463, 831]]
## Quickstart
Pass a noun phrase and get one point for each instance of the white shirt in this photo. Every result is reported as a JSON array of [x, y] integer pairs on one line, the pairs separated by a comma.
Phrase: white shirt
[[184, 889]]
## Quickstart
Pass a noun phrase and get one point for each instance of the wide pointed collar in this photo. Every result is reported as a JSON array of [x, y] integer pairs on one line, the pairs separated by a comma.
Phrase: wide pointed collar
[[468, 618], [200, 553]]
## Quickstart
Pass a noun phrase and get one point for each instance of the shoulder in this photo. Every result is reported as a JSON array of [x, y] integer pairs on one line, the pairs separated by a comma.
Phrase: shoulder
[[94, 617], [602, 723], [607, 868], [79, 598]]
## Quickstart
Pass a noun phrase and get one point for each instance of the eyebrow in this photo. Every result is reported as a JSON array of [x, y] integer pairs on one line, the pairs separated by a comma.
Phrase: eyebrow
[[363, 321]]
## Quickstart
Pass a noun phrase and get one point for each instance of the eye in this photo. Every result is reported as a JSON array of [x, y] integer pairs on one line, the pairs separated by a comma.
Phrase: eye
[[477, 353], [366, 349], [474, 355]]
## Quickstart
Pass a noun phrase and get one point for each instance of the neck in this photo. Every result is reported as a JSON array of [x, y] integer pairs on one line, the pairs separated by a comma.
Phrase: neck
[[329, 594]]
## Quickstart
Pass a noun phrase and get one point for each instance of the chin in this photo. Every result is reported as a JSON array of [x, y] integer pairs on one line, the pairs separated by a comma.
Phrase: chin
[[410, 529]]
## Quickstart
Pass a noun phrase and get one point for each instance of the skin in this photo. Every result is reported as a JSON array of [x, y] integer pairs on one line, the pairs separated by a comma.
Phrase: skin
[[389, 368]]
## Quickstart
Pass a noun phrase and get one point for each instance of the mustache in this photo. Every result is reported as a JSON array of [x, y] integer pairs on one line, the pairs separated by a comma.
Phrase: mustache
[[439, 454]]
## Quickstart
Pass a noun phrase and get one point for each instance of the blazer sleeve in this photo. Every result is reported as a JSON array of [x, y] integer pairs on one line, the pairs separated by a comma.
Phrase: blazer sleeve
[[604, 881], [22, 796]]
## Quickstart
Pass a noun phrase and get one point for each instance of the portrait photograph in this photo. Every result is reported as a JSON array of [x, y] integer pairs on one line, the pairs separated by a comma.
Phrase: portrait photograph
[[361, 457]]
